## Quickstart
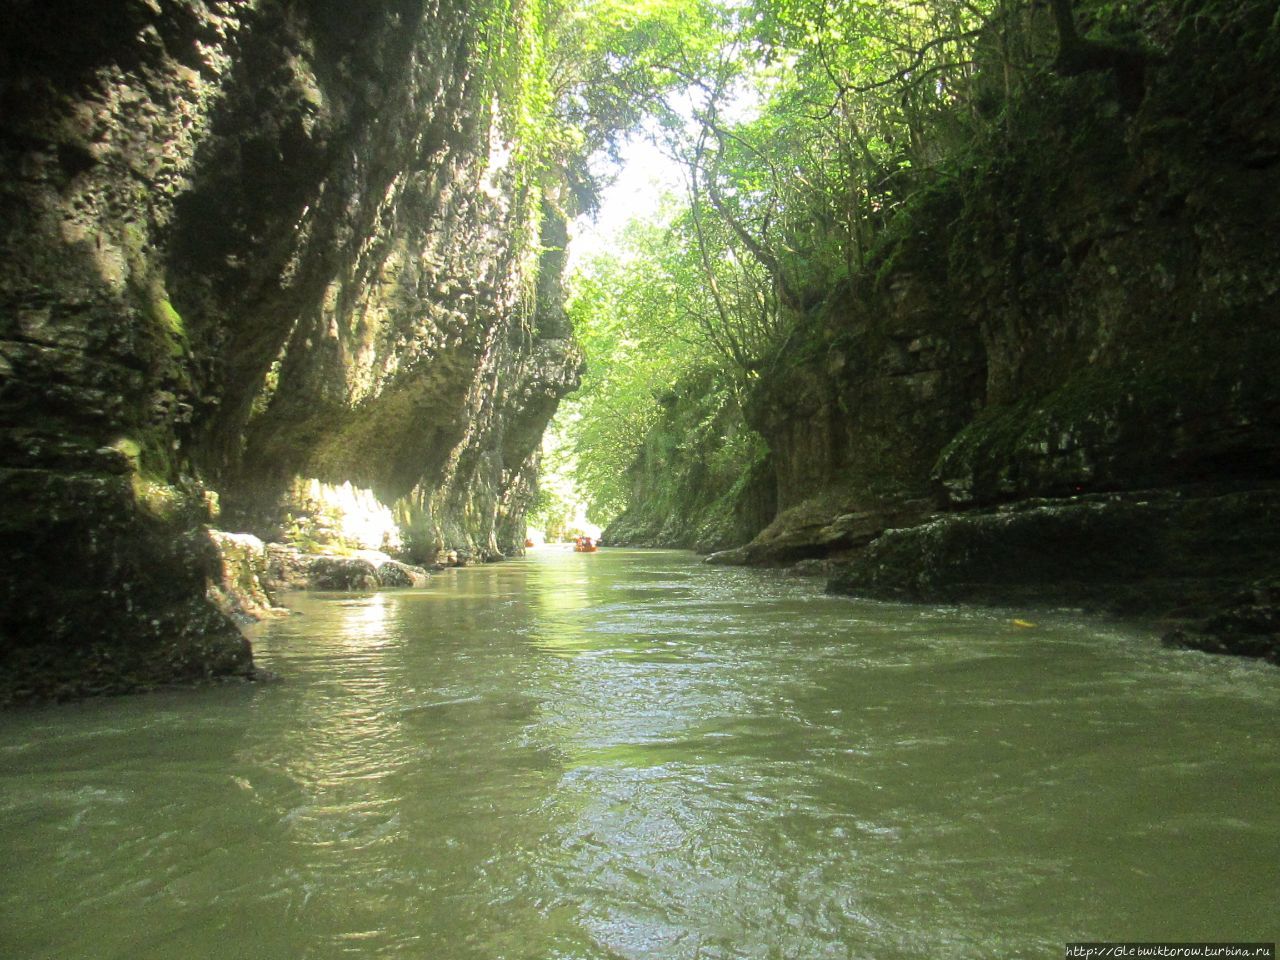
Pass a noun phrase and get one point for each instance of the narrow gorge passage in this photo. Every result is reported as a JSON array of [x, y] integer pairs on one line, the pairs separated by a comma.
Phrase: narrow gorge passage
[[944, 331], [629, 754]]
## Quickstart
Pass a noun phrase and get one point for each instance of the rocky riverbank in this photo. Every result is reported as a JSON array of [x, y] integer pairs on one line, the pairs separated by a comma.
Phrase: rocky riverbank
[[255, 575], [1054, 381]]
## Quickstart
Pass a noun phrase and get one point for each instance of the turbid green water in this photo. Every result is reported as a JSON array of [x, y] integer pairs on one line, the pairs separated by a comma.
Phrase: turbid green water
[[632, 755]]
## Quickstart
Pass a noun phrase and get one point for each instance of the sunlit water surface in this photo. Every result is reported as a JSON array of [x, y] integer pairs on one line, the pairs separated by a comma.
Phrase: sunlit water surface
[[629, 754]]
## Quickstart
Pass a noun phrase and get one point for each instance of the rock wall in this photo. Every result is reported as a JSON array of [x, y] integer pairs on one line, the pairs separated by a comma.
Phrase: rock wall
[[1057, 380], [702, 480], [274, 259]]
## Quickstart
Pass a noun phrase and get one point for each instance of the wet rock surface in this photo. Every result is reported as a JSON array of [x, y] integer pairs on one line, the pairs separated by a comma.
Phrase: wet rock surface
[[341, 573], [392, 573], [1246, 624], [1158, 555]]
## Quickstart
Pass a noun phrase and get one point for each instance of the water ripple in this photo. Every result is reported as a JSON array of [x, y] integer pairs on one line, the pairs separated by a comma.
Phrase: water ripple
[[632, 755]]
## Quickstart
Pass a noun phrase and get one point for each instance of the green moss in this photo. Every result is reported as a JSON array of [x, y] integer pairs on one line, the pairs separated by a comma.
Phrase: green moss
[[914, 240], [171, 325], [130, 449], [169, 318], [158, 499], [270, 383]]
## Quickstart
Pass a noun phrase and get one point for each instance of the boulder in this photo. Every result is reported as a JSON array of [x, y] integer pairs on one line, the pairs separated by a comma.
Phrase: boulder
[[287, 568], [241, 592], [1158, 555], [393, 573], [342, 573]]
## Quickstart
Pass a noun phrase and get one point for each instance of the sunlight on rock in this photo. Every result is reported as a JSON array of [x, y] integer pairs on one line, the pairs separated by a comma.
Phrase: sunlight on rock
[[346, 513]]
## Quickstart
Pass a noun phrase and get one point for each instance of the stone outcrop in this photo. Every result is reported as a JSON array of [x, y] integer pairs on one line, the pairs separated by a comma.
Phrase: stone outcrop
[[288, 568], [244, 590], [273, 259], [1056, 381], [1167, 555]]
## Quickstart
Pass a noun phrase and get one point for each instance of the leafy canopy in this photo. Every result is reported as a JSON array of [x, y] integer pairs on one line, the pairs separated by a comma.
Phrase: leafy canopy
[[801, 128]]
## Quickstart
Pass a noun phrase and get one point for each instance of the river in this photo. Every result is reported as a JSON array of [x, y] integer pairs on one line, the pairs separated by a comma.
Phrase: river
[[629, 754]]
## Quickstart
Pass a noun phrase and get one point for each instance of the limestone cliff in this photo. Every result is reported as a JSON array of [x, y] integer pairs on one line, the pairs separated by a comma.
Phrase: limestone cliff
[[274, 258], [1056, 381]]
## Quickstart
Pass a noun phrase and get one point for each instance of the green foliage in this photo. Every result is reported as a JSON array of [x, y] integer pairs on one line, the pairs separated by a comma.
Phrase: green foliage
[[863, 104], [661, 379], [553, 510], [614, 61], [571, 77], [804, 128], [628, 325], [559, 506]]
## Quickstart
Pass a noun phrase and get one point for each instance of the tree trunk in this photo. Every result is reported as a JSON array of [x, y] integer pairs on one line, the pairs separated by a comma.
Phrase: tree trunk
[[1077, 54]]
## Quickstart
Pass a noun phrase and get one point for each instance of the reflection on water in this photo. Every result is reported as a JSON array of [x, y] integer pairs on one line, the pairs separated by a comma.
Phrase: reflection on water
[[365, 622], [628, 754]]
